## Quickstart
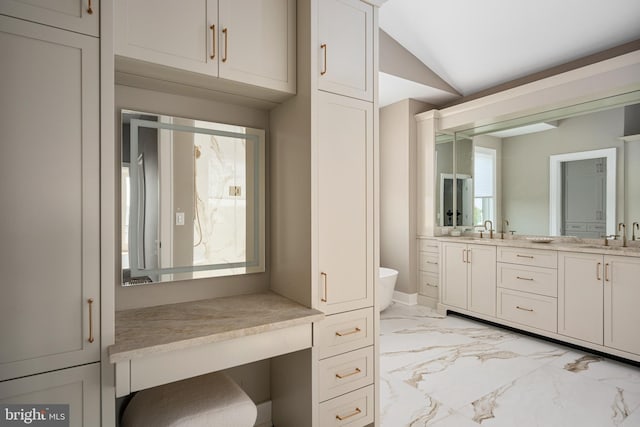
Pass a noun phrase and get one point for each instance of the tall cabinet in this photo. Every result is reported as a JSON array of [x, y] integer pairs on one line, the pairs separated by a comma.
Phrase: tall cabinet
[[49, 182], [324, 203]]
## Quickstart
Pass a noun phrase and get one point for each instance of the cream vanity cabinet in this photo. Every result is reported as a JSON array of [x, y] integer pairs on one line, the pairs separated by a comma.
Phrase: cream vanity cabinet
[[469, 277], [345, 203], [345, 31], [81, 16], [247, 41], [78, 387], [428, 270], [49, 167], [597, 297], [527, 287]]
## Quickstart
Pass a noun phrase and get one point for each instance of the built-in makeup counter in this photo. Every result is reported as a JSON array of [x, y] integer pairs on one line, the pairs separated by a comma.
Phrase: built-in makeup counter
[[162, 344]]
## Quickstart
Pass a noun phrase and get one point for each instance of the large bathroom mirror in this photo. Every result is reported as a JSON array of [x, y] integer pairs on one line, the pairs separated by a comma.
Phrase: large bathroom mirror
[[573, 171], [193, 199]]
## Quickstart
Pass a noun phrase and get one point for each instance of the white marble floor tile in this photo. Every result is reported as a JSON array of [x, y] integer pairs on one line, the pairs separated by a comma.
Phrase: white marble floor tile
[[456, 372]]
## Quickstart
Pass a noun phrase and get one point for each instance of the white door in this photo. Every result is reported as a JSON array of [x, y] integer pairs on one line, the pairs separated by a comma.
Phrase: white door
[[621, 297], [81, 16], [481, 260], [454, 274], [77, 387], [345, 203], [178, 34], [580, 296], [257, 42], [345, 48], [49, 184]]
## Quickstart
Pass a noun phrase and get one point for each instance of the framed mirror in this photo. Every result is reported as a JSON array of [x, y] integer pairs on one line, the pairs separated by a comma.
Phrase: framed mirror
[[193, 199]]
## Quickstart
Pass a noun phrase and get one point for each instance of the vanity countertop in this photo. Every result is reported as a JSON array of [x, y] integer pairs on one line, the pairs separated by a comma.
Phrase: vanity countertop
[[145, 331], [556, 244]]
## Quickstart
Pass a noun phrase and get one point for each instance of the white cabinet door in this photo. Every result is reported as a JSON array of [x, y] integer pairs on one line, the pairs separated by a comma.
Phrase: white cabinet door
[[77, 387], [178, 34], [345, 203], [454, 274], [345, 48], [580, 296], [81, 16], [481, 261], [49, 184], [621, 297], [257, 42]]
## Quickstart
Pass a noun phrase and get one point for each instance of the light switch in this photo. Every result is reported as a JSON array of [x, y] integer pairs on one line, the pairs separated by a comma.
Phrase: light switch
[[179, 218]]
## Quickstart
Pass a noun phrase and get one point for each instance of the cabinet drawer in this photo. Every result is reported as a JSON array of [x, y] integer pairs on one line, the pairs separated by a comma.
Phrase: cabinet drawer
[[353, 409], [344, 332], [525, 256], [428, 262], [344, 373], [537, 280], [428, 284], [528, 309], [428, 245]]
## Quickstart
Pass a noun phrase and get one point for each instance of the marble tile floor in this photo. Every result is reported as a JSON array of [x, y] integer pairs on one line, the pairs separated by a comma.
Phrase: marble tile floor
[[454, 372]]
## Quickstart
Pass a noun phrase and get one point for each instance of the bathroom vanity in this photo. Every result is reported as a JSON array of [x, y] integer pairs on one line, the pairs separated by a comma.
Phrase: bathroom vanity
[[583, 293]]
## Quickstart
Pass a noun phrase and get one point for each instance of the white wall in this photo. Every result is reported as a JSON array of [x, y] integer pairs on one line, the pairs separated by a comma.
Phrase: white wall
[[398, 190]]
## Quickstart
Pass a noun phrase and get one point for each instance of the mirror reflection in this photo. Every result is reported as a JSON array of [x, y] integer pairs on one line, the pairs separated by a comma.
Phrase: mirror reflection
[[192, 199], [570, 172]]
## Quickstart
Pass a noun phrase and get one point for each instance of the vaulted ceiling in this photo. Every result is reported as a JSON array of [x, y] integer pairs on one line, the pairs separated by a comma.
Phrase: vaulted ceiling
[[474, 45]]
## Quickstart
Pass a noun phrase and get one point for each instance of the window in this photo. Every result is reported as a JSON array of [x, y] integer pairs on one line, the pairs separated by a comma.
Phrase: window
[[484, 195]]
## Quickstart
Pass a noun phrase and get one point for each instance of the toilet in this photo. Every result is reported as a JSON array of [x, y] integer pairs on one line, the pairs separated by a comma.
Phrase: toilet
[[386, 286]]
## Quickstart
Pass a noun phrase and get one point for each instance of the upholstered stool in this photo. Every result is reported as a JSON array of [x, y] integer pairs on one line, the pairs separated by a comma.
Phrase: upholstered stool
[[208, 400]]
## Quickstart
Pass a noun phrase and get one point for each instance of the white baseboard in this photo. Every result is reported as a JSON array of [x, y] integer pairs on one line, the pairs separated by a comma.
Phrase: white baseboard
[[264, 414], [405, 298], [428, 301]]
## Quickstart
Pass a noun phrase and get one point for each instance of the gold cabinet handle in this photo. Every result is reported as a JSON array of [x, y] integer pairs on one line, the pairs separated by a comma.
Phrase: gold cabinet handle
[[524, 308], [225, 31], [354, 372], [469, 256], [324, 287], [353, 414], [524, 278], [90, 9], [463, 258], [90, 301], [351, 332], [524, 256], [323, 46], [598, 271], [606, 272], [213, 41]]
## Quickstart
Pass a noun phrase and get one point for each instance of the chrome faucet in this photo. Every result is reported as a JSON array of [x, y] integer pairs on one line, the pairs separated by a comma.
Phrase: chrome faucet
[[623, 228], [505, 227], [490, 229], [634, 227]]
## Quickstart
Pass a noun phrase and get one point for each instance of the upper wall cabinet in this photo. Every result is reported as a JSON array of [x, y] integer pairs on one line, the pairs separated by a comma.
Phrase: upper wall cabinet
[[345, 30], [80, 16], [247, 41]]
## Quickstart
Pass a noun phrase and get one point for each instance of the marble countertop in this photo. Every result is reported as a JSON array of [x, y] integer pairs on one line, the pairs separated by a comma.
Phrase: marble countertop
[[571, 244], [144, 331]]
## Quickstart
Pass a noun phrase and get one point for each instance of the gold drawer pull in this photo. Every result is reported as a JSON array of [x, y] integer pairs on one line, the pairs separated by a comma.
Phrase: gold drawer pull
[[606, 272], [213, 41], [90, 301], [524, 278], [353, 414], [431, 262], [357, 371], [90, 9], [225, 31], [324, 287], [598, 271], [344, 334], [524, 308], [323, 46], [429, 284], [524, 256]]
